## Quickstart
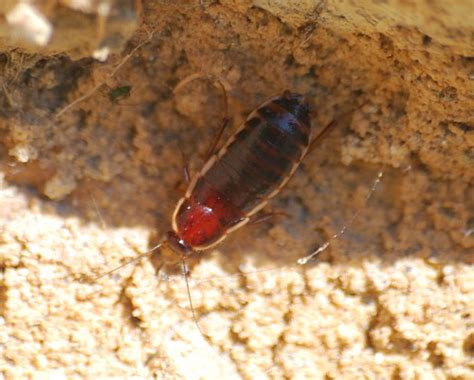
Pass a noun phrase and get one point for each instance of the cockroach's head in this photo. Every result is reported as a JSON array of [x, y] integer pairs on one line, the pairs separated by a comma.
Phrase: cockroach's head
[[177, 245]]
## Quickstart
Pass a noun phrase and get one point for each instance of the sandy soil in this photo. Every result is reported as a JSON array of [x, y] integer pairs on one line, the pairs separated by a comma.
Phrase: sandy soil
[[91, 168]]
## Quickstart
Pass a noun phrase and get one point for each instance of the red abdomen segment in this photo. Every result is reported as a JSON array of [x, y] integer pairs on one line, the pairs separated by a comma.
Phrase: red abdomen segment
[[249, 169]]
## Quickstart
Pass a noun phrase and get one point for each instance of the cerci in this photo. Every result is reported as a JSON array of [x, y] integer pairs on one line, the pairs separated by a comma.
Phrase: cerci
[[237, 181]]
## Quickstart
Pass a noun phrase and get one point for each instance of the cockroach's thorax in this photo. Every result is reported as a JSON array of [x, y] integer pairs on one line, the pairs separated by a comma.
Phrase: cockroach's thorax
[[178, 245]]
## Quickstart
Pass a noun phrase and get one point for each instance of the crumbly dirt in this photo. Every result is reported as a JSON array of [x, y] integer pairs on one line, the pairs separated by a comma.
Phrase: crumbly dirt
[[91, 168]]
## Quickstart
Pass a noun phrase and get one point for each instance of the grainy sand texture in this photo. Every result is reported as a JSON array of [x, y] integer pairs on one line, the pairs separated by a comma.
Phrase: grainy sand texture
[[94, 115]]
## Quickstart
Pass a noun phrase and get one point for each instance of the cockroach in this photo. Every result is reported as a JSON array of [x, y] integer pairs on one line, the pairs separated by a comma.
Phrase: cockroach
[[238, 180]]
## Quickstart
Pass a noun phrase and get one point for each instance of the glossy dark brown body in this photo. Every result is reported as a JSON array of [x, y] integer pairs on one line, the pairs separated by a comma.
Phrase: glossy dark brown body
[[237, 181]]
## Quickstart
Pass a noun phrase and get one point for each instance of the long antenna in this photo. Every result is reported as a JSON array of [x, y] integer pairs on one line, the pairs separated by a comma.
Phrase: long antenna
[[134, 260], [185, 273], [304, 260]]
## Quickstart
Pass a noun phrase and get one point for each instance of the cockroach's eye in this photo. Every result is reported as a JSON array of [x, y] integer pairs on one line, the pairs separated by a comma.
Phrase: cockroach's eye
[[177, 244]]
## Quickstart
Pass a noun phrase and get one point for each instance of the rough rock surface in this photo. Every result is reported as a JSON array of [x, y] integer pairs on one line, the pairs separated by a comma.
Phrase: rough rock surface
[[91, 168]]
